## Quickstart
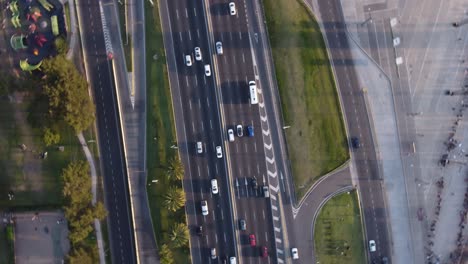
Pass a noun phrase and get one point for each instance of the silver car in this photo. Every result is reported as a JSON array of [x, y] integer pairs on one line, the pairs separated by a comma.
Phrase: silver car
[[219, 48], [198, 55], [219, 152]]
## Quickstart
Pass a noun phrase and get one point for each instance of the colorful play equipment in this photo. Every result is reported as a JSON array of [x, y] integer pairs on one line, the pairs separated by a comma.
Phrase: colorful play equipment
[[14, 7], [15, 21], [39, 40], [25, 66], [17, 42], [34, 14], [47, 6], [55, 27]]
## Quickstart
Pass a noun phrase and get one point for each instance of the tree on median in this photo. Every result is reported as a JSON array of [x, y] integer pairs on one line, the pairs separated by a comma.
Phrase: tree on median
[[179, 235], [174, 199], [175, 169], [166, 255]]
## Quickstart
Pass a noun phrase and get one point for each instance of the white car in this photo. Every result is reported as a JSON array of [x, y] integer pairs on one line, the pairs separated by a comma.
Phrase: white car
[[198, 55], [199, 147], [219, 152], [213, 253], [372, 246], [232, 9], [188, 60], [219, 48], [240, 130], [214, 186], [294, 253], [204, 208], [231, 135], [207, 70], [232, 260]]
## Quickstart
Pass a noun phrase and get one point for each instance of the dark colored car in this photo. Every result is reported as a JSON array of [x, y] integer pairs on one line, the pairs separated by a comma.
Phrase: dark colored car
[[385, 260], [252, 240], [355, 142], [242, 224], [264, 252], [250, 131], [200, 230], [254, 183]]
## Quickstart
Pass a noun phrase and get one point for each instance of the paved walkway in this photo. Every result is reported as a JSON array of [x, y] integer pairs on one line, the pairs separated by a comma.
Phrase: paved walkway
[[97, 224]]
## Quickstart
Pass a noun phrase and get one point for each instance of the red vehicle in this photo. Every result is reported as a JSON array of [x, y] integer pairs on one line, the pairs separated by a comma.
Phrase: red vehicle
[[253, 241], [264, 252]]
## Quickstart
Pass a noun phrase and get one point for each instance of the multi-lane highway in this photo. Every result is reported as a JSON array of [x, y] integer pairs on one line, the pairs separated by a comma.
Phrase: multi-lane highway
[[205, 108], [100, 74], [198, 120], [246, 154]]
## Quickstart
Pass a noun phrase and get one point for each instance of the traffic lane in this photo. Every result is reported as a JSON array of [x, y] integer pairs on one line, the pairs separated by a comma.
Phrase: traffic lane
[[214, 133], [355, 107], [365, 157], [302, 225], [116, 188], [121, 237], [193, 188], [249, 163], [199, 73]]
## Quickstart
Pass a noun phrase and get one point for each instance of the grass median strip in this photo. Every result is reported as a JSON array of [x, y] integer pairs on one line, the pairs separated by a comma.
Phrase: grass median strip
[[161, 136], [316, 136], [338, 236]]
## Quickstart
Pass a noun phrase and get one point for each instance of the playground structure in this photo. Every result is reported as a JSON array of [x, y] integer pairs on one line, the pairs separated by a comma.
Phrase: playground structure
[[36, 24]]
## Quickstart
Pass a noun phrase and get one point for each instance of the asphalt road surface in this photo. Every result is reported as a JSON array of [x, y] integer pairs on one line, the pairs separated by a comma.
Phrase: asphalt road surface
[[370, 183], [198, 120], [247, 157], [99, 70]]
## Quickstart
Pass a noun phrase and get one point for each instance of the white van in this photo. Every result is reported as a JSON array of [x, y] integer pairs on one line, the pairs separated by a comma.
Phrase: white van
[[231, 135], [214, 186], [253, 92]]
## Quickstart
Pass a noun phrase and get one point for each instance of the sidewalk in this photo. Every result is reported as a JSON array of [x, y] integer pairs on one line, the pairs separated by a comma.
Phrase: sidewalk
[[97, 224]]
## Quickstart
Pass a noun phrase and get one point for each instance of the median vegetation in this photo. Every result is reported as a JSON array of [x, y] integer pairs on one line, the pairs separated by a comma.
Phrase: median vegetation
[[165, 170], [338, 236], [315, 131]]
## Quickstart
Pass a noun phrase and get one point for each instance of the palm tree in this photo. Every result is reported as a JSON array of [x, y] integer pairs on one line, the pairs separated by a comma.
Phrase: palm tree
[[166, 255], [175, 169], [175, 198], [179, 235]]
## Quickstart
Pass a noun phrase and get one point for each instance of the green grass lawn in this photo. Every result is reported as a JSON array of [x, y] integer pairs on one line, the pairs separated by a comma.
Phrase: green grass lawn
[[338, 233], [14, 162], [160, 131], [316, 139]]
